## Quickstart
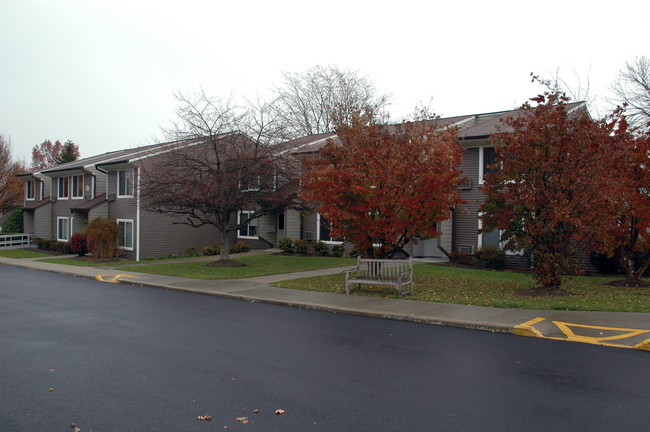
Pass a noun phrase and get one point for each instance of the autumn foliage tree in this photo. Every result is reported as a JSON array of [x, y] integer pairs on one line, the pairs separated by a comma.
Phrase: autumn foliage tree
[[11, 188], [47, 154], [547, 188], [381, 186], [622, 230]]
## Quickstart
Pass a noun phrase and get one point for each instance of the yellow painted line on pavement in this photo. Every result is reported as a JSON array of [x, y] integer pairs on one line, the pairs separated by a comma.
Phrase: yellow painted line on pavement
[[527, 329], [569, 330], [565, 328], [114, 279]]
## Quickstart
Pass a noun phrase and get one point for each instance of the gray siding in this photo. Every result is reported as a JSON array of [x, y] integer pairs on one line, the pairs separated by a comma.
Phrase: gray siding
[[28, 222], [43, 222]]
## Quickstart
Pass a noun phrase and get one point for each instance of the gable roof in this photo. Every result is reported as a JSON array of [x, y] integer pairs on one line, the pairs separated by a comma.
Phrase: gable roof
[[472, 126]]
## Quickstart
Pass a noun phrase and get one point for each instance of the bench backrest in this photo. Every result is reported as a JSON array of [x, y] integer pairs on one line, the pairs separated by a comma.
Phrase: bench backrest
[[383, 268]]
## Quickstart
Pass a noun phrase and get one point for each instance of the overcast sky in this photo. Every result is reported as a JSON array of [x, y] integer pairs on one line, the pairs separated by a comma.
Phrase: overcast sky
[[102, 72]]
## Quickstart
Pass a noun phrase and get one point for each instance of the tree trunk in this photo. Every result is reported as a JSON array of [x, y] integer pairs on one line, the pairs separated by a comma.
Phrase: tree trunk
[[224, 243]]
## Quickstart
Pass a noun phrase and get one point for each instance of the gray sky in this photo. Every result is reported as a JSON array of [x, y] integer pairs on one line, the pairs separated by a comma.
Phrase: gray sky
[[102, 72]]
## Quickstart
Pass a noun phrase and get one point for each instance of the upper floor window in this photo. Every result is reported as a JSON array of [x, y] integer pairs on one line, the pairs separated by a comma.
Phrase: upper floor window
[[125, 183], [64, 187], [77, 186], [250, 185], [487, 160], [30, 189], [250, 230]]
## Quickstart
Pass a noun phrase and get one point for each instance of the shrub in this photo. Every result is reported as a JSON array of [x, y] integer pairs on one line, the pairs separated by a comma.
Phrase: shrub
[[78, 244], [286, 244], [192, 252], [490, 257], [301, 247], [321, 249], [214, 249], [338, 250], [356, 252], [460, 258], [239, 247], [14, 223], [103, 237]]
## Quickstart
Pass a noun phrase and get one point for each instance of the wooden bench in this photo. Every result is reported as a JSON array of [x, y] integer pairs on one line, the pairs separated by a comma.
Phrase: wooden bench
[[383, 272]]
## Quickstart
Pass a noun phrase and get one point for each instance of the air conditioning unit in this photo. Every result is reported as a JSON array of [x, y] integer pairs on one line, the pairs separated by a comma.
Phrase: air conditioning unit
[[468, 249], [310, 235]]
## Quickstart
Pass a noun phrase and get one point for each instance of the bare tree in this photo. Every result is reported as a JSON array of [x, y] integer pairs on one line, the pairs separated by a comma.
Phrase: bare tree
[[632, 90], [307, 101], [225, 159], [11, 188]]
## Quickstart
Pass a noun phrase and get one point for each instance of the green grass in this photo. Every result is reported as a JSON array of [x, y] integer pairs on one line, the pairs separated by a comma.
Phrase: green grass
[[86, 262], [22, 253], [444, 284], [256, 265]]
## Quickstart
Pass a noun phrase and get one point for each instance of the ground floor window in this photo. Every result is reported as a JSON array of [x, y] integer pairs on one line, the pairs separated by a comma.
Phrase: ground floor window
[[249, 231], [62, 229], [126, 233]]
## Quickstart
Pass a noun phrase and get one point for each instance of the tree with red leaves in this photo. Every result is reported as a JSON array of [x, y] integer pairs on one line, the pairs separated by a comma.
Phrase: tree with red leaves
[[622, 231], [381, 186], [11, 188], [549, 185], [47, 154]]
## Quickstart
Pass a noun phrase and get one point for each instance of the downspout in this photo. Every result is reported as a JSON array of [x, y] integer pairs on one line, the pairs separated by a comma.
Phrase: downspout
[[137, 217]]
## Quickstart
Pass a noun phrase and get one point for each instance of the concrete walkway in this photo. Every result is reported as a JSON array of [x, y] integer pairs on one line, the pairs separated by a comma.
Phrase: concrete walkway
[[625, 330]]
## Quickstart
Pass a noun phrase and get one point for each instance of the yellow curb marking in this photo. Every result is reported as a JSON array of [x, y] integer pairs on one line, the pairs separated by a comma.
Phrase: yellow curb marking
[[564, 327], [527, 329], [114, 279]]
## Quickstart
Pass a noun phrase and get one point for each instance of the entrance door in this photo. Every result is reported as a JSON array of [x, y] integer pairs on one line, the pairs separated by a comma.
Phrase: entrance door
[[280, 224]]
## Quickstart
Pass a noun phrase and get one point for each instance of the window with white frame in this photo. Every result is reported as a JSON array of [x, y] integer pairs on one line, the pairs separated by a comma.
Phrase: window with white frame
[[249, 231], [64, 187], [125, 183], [126, 233], [62, 228], [30, 189], [325, 230], [250, 185], [77, 186], [487, 158]]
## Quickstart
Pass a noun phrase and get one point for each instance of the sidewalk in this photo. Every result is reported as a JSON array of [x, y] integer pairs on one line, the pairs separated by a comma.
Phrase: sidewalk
[[625, 330]]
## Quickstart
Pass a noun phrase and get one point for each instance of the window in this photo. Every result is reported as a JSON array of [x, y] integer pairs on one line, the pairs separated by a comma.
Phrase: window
[[324, 230], [30, 189], [487, 157], [250, 185], [77, 186], [64, 187], [126, 233], [125, 183], [250, 230], [62, 229]]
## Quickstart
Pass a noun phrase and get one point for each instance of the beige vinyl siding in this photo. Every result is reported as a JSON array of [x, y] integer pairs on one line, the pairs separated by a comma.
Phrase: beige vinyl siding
[[268, 228], [292, 224]]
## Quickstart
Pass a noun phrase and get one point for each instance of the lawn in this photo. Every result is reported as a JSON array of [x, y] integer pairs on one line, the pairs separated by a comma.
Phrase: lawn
[[256, 265], [22, 253], [445, 284]]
